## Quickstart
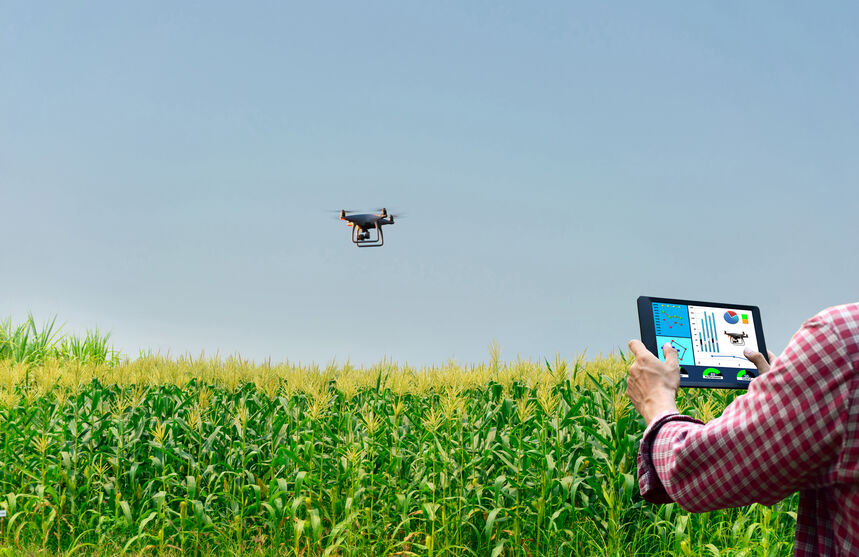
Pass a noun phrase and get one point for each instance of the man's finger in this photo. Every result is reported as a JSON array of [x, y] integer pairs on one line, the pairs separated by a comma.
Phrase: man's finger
[[751, 355], [758, 359], [771, 356], [671, 356], [637, 348]]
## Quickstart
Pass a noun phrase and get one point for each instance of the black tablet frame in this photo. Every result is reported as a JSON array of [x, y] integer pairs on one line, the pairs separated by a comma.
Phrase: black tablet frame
[[693, 376]]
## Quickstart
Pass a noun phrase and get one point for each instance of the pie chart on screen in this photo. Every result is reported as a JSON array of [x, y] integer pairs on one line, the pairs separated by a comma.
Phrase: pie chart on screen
[[731, 317]]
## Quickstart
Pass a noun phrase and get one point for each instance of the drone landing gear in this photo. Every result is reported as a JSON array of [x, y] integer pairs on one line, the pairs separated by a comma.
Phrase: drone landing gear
[[361, 238]]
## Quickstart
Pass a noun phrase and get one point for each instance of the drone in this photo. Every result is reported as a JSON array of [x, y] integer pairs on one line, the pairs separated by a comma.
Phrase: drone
[[364, 222], [737, 338]]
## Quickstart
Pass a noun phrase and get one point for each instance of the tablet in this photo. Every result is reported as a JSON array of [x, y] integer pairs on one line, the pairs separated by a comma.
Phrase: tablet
[[709, 338]]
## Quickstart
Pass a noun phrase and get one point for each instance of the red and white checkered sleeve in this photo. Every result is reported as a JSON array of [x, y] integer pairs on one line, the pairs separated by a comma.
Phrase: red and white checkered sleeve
[[768, 443], [649, 484]]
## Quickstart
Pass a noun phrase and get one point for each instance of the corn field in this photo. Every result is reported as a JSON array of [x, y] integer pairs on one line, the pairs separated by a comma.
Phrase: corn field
[[196, 456]]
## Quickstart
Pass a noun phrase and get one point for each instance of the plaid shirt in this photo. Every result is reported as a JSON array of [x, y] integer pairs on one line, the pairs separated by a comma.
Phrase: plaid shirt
[[797, 428]]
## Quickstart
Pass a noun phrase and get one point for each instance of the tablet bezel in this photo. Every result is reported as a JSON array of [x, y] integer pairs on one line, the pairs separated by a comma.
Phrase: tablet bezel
[[693, 376]]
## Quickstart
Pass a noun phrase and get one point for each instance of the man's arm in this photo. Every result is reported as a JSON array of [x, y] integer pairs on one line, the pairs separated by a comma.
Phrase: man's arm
[[769, 443]]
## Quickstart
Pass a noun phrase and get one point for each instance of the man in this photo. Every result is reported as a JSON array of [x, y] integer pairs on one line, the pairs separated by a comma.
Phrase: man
[[796, 429]]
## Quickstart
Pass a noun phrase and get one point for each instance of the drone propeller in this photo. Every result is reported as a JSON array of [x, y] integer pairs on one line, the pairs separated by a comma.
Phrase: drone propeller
[[341, 213], [385, 214]]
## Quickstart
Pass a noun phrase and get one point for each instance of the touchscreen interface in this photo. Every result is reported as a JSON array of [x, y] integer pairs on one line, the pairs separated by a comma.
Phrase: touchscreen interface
[[705, 335]]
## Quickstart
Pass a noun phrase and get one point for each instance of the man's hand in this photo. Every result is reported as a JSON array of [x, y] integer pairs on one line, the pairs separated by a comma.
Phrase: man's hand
[[652, 384], [758, 359]]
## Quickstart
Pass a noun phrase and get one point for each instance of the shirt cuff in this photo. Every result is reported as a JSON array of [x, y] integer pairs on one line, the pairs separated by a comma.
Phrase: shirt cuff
[[649, 484]]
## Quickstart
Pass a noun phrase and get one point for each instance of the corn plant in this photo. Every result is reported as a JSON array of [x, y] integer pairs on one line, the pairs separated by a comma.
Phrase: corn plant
[[220, 456]]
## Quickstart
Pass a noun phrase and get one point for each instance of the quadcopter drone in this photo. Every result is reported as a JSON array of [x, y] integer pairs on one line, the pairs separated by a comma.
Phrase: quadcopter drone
[[362, 224], [737, 338]]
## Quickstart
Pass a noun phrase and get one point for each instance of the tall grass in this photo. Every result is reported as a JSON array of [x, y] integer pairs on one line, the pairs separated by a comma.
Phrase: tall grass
[[27, 343], [199, 456]]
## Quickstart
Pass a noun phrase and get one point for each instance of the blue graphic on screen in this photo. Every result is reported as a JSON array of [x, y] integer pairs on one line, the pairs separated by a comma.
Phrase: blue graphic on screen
[[683, 346], [671, 320]]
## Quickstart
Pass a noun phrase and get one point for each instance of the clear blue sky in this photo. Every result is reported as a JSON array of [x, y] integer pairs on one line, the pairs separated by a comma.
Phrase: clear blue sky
[[166, 171]]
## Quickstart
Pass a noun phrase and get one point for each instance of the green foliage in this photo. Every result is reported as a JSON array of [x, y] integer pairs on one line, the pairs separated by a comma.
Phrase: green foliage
[[524, 460], [26, 343]]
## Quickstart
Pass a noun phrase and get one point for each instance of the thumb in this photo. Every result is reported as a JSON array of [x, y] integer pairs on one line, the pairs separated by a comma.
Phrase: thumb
[[670, 354], [758, 359]]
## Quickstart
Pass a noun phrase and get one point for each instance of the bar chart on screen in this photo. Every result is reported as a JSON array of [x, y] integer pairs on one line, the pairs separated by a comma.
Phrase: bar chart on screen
[[704, 332]]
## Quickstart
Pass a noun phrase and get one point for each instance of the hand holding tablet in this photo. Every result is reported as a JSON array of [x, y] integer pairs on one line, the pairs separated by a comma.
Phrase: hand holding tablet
[[710, 339]]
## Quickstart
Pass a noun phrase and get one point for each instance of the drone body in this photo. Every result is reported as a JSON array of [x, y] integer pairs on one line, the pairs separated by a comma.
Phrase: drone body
[[362, 224], [737, 338]]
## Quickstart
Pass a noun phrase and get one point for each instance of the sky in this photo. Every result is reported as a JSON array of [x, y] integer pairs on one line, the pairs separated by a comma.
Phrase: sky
[[168, 171]]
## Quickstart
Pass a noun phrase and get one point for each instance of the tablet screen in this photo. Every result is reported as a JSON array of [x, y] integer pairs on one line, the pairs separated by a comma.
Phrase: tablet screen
[[707, 336]]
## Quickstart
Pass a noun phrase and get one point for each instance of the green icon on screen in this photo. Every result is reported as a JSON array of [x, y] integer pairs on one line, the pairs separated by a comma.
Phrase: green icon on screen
[[711, 371]]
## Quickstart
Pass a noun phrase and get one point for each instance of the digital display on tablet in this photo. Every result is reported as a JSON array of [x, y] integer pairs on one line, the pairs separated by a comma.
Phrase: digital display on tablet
[[709, 338], [705, 336]]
